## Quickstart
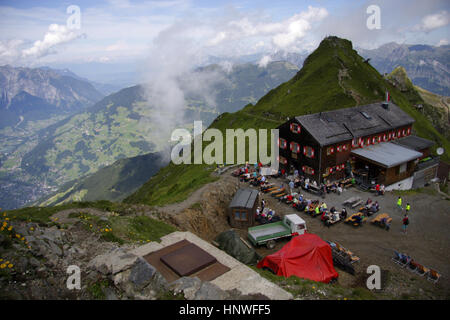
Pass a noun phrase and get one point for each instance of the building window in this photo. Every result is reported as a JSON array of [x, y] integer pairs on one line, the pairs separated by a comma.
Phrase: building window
[[240, 215], [282, 160], [308, 170], [282, 143], [344, 147], [361, 142], [295, 128], [308, 152], [295, 147], [408, 132], [402, 168], [330, 150]]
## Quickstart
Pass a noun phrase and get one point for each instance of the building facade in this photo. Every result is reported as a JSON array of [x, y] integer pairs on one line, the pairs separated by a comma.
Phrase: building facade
[[327, 145]]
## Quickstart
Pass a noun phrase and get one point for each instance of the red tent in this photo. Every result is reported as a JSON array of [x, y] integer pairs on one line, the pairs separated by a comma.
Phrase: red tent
[[305, 256]]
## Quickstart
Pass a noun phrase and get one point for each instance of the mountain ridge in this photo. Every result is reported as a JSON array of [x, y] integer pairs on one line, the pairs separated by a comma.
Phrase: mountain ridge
[[334, 76]]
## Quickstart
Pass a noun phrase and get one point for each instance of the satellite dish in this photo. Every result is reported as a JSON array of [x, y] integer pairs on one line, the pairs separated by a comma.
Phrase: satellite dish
[[440, 151]]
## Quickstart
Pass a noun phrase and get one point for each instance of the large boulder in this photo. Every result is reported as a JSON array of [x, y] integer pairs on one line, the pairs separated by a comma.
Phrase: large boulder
[[114, 261]]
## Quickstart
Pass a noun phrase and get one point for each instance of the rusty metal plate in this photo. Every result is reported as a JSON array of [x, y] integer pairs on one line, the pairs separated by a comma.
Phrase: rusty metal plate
[[187, 260]]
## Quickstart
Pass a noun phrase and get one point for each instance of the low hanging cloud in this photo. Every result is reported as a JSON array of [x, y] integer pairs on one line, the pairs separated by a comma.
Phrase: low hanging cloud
[[56, 35], [262, 63], [173, 79]]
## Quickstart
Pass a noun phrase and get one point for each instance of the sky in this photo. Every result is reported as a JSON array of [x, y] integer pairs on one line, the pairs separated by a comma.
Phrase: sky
[[120, 32]]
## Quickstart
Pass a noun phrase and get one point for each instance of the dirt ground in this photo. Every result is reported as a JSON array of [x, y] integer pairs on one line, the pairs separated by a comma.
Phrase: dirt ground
[[427, 239]]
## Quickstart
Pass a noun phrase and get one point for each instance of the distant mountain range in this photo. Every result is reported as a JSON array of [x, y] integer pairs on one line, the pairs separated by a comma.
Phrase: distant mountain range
[[115, 127], [427, 66], [35, 93]]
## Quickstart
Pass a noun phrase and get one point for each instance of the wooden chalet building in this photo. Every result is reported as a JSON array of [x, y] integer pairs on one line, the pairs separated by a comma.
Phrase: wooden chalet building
[[327, 145]]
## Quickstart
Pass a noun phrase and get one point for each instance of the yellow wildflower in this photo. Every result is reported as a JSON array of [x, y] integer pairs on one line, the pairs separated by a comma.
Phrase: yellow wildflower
[[10, 265], [2, 266], [10, 228]]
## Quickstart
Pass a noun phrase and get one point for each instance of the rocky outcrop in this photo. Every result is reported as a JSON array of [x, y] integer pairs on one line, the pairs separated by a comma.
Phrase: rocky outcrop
[[208, 216]]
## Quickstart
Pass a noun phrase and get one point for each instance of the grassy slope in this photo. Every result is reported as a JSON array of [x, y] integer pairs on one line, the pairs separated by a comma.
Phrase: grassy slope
[[433, 107], [334, 76]]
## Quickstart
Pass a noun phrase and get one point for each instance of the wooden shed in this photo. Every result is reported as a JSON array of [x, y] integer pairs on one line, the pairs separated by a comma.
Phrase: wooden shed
[[242, 209]]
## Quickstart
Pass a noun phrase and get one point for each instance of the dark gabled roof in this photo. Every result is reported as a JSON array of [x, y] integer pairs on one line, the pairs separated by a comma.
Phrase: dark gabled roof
[[348, 123], [414, 142], [244, 198]]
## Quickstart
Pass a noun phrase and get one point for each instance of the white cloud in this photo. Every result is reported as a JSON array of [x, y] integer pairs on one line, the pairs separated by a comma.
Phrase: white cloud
[[57, 34], [261, 32], [433, 21], [262, 63], [9, 50]]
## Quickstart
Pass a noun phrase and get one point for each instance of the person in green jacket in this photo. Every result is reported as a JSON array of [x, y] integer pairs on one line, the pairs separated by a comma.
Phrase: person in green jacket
[[407, 208], [317, 210], [399, 203]]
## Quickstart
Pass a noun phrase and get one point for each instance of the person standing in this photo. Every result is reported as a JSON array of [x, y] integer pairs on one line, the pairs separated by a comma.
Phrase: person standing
[[407, 208], [405, 222], [291, 186], [399, 203]]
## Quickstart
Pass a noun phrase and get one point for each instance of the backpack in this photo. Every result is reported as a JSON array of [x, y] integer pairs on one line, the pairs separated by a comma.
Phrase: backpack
[[405, 221]]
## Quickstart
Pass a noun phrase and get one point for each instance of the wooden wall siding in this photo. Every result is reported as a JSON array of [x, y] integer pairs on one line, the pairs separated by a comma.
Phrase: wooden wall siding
[[250, 216], [303, 138], [322, 161], [393, 175]]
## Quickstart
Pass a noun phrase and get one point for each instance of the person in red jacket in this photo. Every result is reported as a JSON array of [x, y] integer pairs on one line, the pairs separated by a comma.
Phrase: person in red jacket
[[405, 222]]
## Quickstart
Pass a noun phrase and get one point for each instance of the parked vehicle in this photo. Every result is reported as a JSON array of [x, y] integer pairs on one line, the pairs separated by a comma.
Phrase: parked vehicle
[[267, 234]]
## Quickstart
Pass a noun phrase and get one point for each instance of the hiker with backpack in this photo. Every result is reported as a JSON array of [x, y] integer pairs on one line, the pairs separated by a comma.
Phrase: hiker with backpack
[[405, 223]]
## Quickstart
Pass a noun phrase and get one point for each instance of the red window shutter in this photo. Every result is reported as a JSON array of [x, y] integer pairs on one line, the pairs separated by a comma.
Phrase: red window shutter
[[342, 166]]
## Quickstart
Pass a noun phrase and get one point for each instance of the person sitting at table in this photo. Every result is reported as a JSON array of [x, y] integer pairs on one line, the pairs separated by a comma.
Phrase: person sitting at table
[[375, 207]]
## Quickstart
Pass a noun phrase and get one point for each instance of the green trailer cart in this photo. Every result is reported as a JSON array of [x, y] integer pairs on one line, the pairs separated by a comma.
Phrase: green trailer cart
[[267, 234]]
